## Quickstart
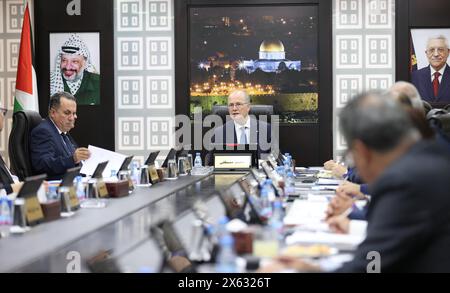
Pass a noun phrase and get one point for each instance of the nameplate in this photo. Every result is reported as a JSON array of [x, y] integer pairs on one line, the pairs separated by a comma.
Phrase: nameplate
[[74, 203], [102, 190], [153, 174], [33, 210]]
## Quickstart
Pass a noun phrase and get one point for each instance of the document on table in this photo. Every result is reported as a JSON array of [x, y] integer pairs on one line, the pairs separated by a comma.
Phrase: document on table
[[99, 155], [326, 181], [340, 241], [304, 212]]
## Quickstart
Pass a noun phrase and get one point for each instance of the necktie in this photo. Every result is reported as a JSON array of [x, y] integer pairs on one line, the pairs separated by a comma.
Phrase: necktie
[[243, 139], [68, 144], [436, 83]]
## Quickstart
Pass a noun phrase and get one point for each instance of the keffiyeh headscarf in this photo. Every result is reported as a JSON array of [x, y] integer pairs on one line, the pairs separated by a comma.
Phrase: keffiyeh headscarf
[[73, 46]]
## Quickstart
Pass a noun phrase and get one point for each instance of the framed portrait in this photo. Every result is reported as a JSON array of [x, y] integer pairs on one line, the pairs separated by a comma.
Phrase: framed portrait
[[270, 51], [429, 64], [75, 65]]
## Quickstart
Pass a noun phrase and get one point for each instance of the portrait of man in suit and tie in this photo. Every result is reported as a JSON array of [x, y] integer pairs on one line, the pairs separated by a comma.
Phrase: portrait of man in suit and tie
[[433, 80]]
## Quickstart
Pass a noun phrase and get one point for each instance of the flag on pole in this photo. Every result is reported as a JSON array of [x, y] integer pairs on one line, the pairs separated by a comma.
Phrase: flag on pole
[[413, 61], [26, 97]]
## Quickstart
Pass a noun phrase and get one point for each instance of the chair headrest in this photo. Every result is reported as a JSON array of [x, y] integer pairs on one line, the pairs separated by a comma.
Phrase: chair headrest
[[435, 111]]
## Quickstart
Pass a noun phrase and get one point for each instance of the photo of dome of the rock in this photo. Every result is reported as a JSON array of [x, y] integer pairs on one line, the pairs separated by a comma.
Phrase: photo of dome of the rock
[[269, 51]]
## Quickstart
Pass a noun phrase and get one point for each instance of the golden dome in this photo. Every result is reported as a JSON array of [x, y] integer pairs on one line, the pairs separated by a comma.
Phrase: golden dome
[[271, 46]]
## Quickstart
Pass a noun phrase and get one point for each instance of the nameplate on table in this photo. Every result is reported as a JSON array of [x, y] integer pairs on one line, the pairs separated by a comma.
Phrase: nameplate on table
[[33, 209]]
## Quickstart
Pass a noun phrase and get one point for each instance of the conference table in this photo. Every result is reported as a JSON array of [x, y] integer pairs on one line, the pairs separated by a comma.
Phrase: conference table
[[67, 244]]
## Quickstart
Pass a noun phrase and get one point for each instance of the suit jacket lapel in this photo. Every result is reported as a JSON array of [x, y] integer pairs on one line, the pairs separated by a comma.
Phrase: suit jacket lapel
[[444, 88], [428, 84]]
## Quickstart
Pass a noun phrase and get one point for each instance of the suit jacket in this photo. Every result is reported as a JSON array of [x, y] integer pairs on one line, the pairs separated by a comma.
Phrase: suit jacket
[[408, 215], [226, 134], [89, 91], [5, 178], [48, 152], [422, 80]]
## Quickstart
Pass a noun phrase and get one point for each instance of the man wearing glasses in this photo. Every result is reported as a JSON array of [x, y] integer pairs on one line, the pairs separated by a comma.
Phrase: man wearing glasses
[[242, 129], [53, 151], [433, 81], [8, 181]]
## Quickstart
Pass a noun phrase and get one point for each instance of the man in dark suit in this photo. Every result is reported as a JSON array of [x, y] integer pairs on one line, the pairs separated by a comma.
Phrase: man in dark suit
[[408, 219], [53, 151], [433, 81], [242, 129], [6, 178]]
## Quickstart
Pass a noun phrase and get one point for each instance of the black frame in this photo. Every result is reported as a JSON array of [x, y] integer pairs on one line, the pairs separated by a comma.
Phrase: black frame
[[305, 151], [416, 14], [50, 17]]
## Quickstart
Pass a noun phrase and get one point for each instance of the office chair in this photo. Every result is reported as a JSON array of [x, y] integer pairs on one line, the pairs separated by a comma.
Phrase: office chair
[[427, 107], [447, 107], [256, 110], [434, 112], [441, 121], [19, 145]]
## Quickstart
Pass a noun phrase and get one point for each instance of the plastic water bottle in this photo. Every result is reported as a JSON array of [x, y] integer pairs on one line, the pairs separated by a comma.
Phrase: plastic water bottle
[[221, 229], [266, 206], [198, 160], [6, 214], [135, 176], [80, 188], [270, 190], [290, 184], [226, 258]]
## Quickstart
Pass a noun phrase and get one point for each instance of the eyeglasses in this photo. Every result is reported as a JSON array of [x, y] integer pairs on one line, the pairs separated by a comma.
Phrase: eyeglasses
[[439, 50], [238, 105], [3, 111]]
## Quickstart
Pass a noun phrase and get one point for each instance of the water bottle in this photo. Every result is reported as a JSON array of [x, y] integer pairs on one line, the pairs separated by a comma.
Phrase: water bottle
[[6, 216], [81, 194], [270, 190], [198, 160], [266, 206], [221, 229], [226, 258], [290, 184], [135, 176]]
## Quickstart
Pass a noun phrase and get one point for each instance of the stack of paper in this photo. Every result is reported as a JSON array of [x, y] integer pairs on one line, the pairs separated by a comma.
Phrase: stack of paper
[[340, 241]]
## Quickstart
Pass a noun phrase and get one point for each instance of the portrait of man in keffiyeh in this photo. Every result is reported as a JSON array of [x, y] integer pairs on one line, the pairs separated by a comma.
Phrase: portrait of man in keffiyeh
[[75, 73]]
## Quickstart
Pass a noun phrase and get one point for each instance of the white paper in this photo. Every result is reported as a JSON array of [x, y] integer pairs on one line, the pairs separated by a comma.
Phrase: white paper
[[340, 241], [304, 212], [326, 181], [99, 155]]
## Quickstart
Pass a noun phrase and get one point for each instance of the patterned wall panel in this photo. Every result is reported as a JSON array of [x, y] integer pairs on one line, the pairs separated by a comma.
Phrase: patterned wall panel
[[364, 53], [144, 75], [11, 18]]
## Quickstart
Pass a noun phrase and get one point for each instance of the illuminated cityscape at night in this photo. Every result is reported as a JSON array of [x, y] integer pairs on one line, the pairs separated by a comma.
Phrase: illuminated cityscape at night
[[269, 51]]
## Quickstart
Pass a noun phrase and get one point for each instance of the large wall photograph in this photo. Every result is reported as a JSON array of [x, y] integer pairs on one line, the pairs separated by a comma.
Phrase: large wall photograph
[[271, 51]]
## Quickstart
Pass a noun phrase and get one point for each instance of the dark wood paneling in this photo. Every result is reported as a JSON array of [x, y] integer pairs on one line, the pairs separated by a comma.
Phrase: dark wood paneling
[[95, 124], [310, 145]]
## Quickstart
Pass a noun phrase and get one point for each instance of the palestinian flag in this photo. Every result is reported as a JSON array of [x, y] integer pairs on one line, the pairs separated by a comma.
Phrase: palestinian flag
[[412, 52], [26, 86]]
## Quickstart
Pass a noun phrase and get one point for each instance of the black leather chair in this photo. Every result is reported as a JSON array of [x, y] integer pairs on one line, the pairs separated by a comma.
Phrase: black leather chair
[[427, 107], [440, 120], [19, 145], [256, 110]]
